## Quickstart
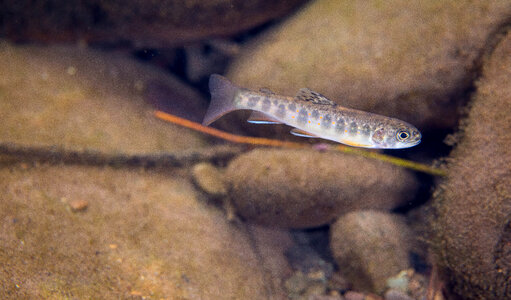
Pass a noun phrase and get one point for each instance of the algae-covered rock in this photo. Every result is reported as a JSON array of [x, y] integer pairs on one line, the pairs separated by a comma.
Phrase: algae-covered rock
[[473, 207], [144, 234], [144, 23], [405, 59], [305, 188], [84, 99], [370, 247]]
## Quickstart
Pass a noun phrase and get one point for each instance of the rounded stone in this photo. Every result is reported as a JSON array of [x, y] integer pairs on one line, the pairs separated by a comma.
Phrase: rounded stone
[[156, 23], [307, 188], [209, 179], [370, 247]]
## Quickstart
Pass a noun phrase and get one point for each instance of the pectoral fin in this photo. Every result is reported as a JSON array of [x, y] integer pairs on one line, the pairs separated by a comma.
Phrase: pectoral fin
[[259, 118], [302, 133]]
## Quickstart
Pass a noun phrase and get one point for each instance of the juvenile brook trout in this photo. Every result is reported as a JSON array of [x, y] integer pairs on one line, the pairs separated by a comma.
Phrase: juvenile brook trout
[[312, 115]]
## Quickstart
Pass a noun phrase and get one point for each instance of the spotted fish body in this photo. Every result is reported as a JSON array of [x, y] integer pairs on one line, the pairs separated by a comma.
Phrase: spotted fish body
[[312, 115]]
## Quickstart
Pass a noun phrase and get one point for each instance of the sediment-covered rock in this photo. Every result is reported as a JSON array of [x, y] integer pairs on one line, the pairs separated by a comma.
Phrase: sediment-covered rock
[[84, 99], [472, 226], [306, 188], [371, 247]]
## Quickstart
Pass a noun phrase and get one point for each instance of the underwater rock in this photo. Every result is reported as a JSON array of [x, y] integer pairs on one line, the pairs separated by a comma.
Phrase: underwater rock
[[78, 205], [370, 247], [472, 223], [145, 234], [83, 99], [403, 59], [350, 295], [158, 23], [307, 188], [324, 297], [209, 179], [397, 295], [410, 282]]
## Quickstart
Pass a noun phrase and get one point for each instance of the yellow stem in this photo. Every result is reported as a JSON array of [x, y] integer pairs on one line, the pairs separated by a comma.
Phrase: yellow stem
[[277, 143]]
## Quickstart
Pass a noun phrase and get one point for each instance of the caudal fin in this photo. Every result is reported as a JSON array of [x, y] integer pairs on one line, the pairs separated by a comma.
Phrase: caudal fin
[[222, 98]]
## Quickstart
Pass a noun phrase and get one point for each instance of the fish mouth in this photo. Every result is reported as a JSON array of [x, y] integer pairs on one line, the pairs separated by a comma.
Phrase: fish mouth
[[415, 143]]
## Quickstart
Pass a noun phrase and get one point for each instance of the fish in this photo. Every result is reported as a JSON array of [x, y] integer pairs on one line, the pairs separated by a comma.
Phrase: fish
[[311, 115]]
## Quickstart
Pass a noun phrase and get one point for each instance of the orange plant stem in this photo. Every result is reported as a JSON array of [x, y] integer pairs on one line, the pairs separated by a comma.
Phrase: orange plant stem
[[276, 143]]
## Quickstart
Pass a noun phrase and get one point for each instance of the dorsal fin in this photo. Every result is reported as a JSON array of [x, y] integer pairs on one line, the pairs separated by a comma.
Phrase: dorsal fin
[[258, 117], [302, 133], [307, 94]]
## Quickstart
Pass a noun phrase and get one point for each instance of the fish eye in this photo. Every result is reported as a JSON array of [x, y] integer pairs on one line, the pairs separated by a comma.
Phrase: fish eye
[[402, 135]]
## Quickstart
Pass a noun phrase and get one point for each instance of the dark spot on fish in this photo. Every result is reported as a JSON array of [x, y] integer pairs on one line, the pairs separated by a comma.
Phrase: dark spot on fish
[[302, 116], [266, 105], [281, 111], [340, 125], [253, 100], [379, 136], [353, 128], [275, 102], [327, 121], [292, 107], [315, 114], [366, 130]]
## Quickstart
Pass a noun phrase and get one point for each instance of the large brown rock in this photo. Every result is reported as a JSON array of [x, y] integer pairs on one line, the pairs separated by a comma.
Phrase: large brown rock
[[143, 234], [306, 188], [370, 247], [144, 23], [473, 207], [84, 99], [404, 59]]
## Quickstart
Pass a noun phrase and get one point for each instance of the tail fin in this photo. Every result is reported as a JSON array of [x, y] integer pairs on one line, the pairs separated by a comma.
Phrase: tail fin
[[222, 98]]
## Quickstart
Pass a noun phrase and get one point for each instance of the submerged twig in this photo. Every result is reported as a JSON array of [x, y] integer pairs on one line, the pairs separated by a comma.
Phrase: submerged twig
[[285, 144], [53, 154]]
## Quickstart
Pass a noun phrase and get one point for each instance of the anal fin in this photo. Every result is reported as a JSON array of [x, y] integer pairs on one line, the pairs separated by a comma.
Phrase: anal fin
[[260, 118], [302, 133]]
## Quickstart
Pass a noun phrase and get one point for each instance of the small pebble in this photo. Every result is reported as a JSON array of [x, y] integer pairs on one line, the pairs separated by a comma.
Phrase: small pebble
[[71, 70], [400, 281], [338, 283], [372, 297], [297, 283], [315, 289], [354, 296], [78, 205], [396, 295], [209, 179], [325, 297]]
